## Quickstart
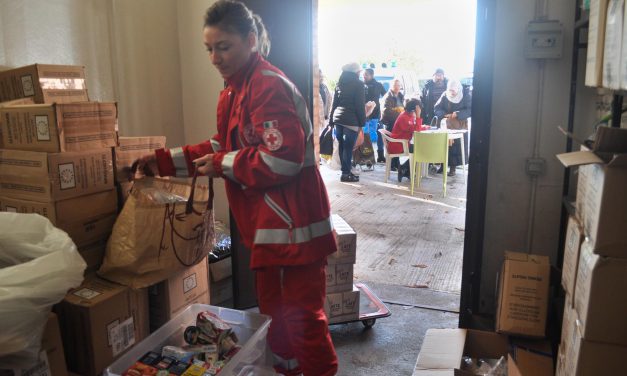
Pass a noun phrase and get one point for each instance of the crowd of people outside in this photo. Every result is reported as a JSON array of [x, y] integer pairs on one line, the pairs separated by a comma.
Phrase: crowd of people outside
[[443, 103]]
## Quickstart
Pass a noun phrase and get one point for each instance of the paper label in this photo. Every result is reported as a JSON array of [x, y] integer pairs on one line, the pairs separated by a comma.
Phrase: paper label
[[28, 88], [86, 293], [43, 128], [121, 336], [67, 179], [189, 283]]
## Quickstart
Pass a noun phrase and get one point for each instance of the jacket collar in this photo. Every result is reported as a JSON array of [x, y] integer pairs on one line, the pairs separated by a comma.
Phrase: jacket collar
[[236, 81]]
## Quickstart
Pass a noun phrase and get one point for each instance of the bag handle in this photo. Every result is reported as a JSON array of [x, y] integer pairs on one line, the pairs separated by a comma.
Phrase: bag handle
[[189, 206]]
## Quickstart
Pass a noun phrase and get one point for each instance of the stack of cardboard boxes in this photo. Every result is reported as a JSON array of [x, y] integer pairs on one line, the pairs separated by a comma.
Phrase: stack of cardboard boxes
[[59, 157], [56, 157], [342, 300], [594, 329]]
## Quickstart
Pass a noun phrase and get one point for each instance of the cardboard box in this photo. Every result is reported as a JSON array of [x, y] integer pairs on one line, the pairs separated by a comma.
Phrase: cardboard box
[[99, 321], [220, 269], [339, 278], [17, 102], [44, 83], [53, 346], [613, 44], [572, 244], [172, 296], [523, 295], [596, 42], [93, 254], [442, 351], [221, 292], [346, 239], [59, 127], [46, 177], [12, 103], [525, 362], [131, 148], [86, 219], [579, 357], [601, 203], [342, 306], [601, 297]]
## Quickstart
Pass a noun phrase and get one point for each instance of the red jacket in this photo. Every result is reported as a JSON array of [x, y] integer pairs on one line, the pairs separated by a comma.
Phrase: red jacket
[[264, 150], [404, 128]]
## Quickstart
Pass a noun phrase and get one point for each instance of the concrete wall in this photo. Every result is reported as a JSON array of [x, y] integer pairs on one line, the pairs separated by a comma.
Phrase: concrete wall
[[530, 99]]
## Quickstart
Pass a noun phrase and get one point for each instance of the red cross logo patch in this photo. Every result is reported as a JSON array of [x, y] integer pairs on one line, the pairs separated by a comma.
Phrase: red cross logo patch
[[272, 137]]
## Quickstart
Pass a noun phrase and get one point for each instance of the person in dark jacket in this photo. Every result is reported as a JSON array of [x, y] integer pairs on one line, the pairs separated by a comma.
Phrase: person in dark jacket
[[431, 93], [393, 105], [455, 106], [374, 92], [348, 115]]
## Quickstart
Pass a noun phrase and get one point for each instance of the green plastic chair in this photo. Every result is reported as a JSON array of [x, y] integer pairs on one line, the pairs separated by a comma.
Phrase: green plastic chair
[[429, 148]]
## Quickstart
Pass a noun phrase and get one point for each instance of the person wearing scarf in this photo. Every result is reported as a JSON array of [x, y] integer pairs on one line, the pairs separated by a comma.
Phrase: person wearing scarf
[[454, 107]]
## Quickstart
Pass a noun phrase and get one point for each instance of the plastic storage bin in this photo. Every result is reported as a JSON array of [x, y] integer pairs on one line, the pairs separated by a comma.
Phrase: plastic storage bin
[[251, 329]]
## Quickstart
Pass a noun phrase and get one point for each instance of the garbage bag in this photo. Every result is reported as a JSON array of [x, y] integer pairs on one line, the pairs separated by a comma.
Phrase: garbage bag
[[38, 265], [160, 231]]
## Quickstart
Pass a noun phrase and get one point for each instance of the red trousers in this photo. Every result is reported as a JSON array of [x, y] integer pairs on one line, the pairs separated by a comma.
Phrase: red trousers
[[294, 297]]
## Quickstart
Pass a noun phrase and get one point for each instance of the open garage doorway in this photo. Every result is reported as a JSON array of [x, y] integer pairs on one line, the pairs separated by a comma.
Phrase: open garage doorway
[[413, 241]]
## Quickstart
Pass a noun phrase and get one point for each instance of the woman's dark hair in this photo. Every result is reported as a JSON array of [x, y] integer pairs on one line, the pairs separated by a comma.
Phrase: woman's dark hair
[[235, 17], [411, 104]]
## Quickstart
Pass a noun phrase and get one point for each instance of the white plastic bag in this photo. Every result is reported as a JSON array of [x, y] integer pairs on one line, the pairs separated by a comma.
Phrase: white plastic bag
[[38, 265], [335, 163]]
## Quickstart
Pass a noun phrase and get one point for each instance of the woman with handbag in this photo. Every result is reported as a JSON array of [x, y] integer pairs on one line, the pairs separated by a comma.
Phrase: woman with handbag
[[348, 114], [264, 151]]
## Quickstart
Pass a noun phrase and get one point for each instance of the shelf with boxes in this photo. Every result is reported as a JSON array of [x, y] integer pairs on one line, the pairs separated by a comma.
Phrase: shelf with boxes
[[594, 216]]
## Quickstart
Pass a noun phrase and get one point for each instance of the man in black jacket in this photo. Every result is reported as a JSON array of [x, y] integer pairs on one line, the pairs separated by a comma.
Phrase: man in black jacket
[[431, 93], [374, 92]]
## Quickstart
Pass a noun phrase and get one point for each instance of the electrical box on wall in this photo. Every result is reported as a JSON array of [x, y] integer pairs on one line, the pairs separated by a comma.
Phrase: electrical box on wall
[[544, 40]]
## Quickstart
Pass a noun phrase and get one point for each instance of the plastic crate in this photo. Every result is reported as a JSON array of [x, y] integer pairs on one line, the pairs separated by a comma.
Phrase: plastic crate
[[251, 329]]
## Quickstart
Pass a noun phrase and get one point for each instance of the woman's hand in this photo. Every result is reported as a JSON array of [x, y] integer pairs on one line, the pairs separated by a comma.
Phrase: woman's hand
[[204, 165], [454, 115]]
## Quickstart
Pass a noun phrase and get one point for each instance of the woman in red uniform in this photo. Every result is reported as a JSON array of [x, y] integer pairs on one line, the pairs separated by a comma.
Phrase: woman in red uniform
[[404, 126], [265, 153]]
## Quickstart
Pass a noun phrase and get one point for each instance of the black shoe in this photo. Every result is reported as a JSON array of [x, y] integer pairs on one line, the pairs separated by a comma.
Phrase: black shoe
[[451, 172], [393, 169], [350, 178], [381, 160]]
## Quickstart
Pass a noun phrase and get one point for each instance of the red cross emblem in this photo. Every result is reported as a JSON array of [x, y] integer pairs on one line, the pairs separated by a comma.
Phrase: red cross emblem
[[272, 138]]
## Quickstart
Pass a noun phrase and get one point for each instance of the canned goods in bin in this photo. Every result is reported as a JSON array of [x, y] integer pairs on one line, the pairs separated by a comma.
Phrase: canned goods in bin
[[249, 328]]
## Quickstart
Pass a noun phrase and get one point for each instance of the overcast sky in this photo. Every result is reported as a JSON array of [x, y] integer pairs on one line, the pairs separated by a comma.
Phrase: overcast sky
[[434, 33]]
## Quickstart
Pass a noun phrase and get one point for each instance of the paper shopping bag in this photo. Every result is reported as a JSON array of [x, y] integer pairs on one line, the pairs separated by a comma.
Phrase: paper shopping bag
[[155, 236]]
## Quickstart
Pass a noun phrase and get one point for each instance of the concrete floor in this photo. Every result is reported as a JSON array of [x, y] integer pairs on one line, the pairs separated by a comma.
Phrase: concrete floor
[[409, 252]]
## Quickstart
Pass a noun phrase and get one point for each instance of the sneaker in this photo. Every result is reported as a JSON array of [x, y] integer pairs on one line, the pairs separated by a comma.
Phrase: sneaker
[[451, 172], [381, 160], [349, 178], [393, 169]]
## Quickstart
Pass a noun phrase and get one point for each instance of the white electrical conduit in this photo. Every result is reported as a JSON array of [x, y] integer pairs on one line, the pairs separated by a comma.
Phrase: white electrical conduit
[[543, 5]]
